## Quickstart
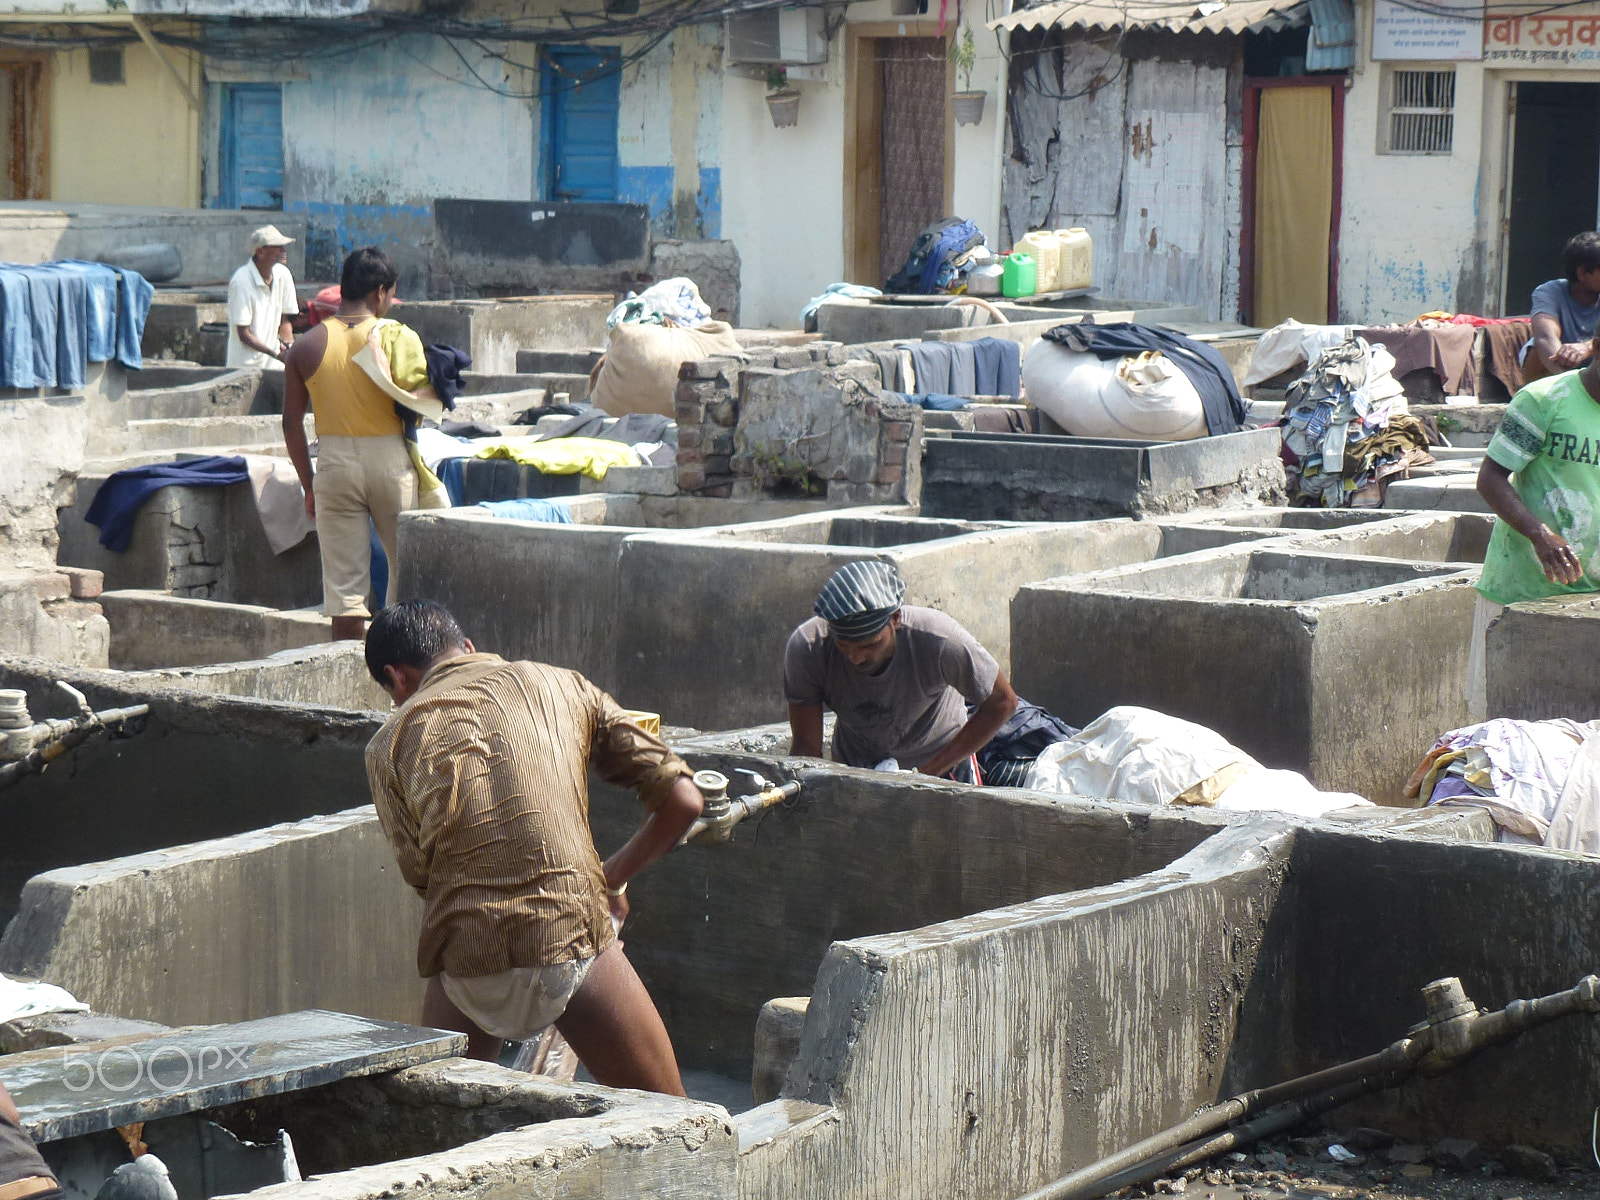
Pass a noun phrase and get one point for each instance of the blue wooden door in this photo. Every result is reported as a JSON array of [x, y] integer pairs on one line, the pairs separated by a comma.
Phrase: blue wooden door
[[581, 94], [252, 146]]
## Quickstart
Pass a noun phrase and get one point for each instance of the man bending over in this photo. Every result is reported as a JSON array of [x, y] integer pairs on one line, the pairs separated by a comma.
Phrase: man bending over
[[480, 778], [899, 677]]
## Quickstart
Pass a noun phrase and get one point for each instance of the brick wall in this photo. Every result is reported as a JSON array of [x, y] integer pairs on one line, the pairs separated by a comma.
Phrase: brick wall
[[796, 421]]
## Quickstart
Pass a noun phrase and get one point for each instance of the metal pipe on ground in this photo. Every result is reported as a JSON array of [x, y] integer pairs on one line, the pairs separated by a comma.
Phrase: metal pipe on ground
[[1455, 1031]]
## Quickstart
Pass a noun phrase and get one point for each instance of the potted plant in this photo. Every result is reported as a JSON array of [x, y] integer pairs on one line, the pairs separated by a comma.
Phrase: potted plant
[[967, 103], [783, 102]]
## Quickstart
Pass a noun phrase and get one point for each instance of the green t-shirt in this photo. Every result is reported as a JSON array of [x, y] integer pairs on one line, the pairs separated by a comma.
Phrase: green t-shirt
[[1550, 442]]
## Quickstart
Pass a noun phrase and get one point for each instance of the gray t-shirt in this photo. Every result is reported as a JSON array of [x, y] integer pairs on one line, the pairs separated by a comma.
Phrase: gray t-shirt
[[1577, 320], [910, 710]]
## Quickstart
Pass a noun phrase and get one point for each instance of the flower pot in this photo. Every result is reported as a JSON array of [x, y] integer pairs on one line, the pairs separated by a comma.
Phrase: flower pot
[[784, 107], [968, 107]]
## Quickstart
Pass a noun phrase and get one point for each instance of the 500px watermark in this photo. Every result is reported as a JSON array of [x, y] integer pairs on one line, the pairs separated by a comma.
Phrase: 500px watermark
[[164, 1068]]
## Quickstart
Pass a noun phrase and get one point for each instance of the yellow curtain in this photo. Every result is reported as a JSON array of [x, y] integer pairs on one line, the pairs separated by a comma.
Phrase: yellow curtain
[[1294, 204]]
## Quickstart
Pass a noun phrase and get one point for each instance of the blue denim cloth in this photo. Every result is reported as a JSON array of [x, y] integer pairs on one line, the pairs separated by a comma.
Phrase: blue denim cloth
[[551, 512], [119, 305], [56, 318], [380, 570], [450, 474], [937, 401], [120, 497]]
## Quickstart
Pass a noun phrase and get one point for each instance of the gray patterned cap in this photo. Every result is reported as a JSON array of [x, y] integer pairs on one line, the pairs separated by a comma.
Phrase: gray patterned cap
[[860, 598]]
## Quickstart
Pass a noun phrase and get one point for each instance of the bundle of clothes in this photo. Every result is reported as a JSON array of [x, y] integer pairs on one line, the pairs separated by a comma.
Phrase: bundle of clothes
[[1347, 429], [1539, 780], [1141, 756]]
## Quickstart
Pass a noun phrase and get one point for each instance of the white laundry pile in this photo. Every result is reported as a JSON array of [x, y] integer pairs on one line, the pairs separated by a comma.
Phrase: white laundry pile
[[19, 998], [1290, 345], [676, 301], [1146, 757], [1539, 780]]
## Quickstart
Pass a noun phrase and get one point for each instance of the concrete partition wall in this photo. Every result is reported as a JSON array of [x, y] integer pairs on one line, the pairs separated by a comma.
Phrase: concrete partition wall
[[717, 931], [1542, 658], [692, 624], [986, 1057], [1345, 668], [521, 589], [206, 543], [1378, 918], [706, 618], [306, 915], [203, 767]]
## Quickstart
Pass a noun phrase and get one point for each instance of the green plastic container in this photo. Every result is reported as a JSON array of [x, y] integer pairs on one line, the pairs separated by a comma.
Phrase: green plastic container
[[1019, 275]]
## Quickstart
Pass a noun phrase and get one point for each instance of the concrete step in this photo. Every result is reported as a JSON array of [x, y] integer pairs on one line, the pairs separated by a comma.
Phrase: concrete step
[[185, 433], [576, 386]]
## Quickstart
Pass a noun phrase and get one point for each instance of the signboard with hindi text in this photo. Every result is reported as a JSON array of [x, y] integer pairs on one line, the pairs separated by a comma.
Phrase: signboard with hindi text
[[1566, 37], [1403, 33]]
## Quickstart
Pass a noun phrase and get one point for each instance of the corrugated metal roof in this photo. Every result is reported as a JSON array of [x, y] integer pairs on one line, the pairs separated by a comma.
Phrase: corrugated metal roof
[[1190, 16], [1331, 45]]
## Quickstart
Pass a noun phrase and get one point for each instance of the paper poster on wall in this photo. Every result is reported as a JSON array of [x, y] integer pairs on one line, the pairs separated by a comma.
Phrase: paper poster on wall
[[1569, 37], [1403, 33]]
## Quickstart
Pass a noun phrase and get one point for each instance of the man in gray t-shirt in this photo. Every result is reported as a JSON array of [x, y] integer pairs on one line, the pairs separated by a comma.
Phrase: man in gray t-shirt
[[1565, 312], [900, 679]]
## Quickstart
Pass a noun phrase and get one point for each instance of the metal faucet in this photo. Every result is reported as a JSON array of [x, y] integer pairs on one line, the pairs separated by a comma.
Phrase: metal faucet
[[720, 814]]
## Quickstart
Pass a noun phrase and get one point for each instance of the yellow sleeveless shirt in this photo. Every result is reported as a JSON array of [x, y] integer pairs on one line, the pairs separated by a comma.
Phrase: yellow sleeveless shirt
[[344, 402]]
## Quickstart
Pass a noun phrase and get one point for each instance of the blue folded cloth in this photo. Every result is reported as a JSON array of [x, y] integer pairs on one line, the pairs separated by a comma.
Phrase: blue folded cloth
[[120, 497], [551, 512]]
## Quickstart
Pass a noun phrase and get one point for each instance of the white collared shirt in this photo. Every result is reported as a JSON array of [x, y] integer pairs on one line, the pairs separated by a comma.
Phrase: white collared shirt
[[262, 306]]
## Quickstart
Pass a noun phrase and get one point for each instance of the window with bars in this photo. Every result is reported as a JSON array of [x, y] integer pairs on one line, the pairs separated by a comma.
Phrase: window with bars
[[1421, 112]]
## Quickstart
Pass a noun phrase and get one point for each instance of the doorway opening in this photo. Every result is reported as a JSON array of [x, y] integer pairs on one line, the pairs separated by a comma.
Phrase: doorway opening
[[1288, 249], [252, 146], [24, 172], [581, 90], [898, 145], [1554, 186]]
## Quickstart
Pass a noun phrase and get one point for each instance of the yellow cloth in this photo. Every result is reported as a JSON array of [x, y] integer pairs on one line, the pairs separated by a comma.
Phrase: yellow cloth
[[1294, 205], [562, 456], [344, 402]]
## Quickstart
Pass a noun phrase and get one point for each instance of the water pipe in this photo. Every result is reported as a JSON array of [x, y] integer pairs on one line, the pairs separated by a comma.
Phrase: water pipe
[[27, 748], [1455, 1031], [720, 815]]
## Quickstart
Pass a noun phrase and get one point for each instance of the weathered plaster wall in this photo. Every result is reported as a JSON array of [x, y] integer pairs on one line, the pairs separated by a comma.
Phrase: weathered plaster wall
[[1142, 149], [784, 205], [669, 134], [372, 139], [132, 143], [1411, 233]]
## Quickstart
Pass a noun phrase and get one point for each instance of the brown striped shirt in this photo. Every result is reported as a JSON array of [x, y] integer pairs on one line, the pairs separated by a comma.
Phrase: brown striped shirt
[[481, 783]]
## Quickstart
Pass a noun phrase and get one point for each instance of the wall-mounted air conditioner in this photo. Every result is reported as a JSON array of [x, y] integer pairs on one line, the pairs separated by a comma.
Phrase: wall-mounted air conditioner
[[778, 35]]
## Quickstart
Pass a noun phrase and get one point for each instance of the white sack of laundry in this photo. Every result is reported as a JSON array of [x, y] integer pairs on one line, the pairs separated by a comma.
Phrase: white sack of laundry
[[1143, 397]]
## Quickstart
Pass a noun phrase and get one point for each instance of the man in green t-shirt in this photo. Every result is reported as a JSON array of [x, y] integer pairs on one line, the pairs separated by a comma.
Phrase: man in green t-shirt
[[1541, 476]]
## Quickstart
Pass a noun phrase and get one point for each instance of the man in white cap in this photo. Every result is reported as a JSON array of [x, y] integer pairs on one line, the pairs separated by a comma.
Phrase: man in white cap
[[261, 300], [899, 677]]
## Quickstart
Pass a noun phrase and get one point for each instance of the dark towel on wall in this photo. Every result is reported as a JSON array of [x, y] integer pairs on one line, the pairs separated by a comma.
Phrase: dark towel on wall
[[963, 369], [998, 367], [120, 497], [1204, 367], [445, 364], [931, 362]]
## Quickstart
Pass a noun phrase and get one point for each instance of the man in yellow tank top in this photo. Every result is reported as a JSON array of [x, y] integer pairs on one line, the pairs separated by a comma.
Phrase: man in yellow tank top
[[363, 468]]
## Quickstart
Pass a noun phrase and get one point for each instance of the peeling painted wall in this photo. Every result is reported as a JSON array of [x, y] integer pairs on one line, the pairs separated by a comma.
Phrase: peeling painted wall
[[375, 137], [1143, 152], [1413, 227], [669, 134]]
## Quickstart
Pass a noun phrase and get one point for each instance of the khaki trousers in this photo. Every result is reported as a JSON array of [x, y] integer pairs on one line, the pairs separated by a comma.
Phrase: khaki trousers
[[357, 479]]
